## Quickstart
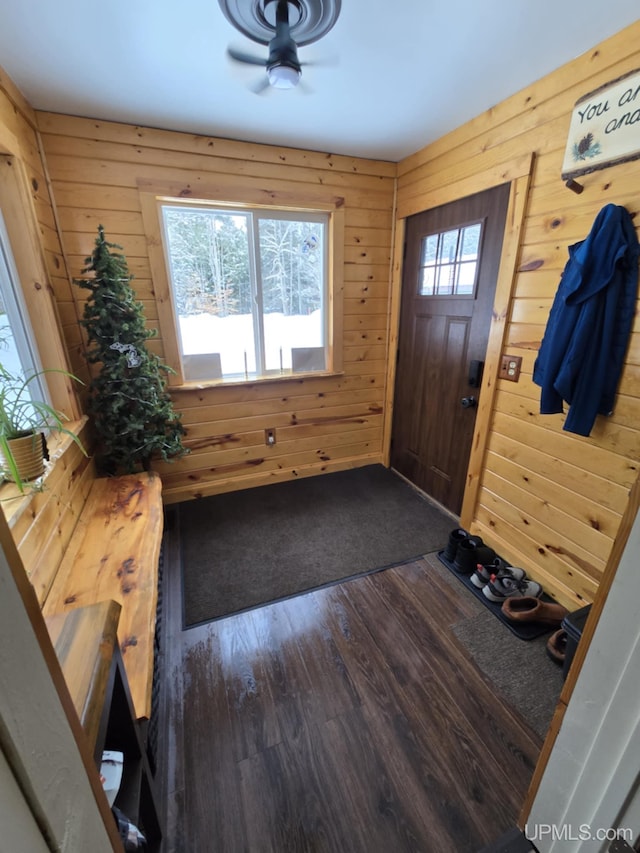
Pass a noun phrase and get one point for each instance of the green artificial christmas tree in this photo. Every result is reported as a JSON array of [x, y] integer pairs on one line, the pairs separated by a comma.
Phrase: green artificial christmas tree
[[131, 411]]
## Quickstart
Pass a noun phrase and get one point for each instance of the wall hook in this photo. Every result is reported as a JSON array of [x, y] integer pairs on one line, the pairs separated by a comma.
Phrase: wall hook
[[574, 186]]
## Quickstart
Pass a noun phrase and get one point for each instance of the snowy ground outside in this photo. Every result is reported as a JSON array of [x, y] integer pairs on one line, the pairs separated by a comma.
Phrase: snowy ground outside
[[231, 336]]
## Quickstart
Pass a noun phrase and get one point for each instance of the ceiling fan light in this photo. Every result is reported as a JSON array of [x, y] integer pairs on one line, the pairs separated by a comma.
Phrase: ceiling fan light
[[283, 76]]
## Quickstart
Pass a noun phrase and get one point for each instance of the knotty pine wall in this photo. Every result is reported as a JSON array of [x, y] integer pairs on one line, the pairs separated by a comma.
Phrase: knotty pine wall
[[41, 527], [548, 501], [322, 423]]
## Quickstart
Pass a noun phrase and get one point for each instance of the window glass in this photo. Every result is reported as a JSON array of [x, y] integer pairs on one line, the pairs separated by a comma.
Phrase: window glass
[[249, 289], [429, 249], [209, 260], [449, 262], [292, 275], [18, 358], [9, 355]]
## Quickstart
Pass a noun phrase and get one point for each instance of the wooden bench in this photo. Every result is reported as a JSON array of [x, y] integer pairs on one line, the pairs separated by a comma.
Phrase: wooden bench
[[113, 555], [85, 641]]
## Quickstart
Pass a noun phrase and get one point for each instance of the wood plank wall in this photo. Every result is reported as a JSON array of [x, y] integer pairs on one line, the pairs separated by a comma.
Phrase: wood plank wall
[[42, 523], [19, 120], [322, 423], [42, 526], [549, 501]]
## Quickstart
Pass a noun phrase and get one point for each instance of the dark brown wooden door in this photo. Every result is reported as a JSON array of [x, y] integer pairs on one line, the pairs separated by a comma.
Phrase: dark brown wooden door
[[452, 254]]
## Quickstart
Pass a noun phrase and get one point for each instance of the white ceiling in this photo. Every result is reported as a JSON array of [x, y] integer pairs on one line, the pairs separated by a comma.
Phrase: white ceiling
[[404, 72]]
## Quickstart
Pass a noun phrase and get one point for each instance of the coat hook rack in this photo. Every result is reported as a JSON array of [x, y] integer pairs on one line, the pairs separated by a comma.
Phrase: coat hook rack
[[574, 186]]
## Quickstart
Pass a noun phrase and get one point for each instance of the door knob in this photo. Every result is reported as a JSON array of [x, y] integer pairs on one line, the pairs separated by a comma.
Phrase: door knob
[[469, 402]]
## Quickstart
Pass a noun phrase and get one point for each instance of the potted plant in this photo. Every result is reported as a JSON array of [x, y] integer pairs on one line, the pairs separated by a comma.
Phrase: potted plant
[[23, 424]]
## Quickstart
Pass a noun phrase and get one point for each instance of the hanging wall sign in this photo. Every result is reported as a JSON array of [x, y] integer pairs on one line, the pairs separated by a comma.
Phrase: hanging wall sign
[[605, 127]]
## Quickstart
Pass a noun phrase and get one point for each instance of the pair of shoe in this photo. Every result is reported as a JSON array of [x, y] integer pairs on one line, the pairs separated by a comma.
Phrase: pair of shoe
[[494, 576], [499, 582], [465, 551]]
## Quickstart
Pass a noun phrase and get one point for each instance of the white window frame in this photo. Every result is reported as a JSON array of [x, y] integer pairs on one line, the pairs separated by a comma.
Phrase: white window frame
[[253, 217], [19, 321], [151, 206]]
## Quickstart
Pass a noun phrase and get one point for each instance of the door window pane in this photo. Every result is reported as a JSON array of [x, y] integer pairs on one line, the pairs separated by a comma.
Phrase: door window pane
[[428, 281], [449, 262], [448, 246], [429, 249], [471, 242]]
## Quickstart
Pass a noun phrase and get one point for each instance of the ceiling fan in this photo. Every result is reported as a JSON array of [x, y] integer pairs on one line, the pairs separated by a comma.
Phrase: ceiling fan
[[283, 25]]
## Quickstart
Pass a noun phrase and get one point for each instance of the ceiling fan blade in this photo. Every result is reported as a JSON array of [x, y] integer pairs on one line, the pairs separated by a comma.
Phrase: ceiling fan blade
[[305, 88], [328, 62], [261, 87], [247, 58]]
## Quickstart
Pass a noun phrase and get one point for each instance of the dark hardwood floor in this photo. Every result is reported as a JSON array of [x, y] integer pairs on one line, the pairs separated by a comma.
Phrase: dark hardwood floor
[[346, 720]]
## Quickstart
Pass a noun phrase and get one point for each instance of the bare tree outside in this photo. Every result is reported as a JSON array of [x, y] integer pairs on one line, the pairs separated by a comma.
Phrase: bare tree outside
[[223, 307]]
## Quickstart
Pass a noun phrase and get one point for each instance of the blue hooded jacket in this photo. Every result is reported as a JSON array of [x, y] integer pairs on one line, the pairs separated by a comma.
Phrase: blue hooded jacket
[[582, 352]]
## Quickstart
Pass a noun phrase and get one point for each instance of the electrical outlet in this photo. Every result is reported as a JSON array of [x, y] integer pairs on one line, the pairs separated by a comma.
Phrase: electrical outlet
[[270, 437], [510, 366]]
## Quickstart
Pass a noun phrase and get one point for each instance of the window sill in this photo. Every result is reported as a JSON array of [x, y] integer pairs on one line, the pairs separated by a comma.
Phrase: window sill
[[14, 502], [259, 380]]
